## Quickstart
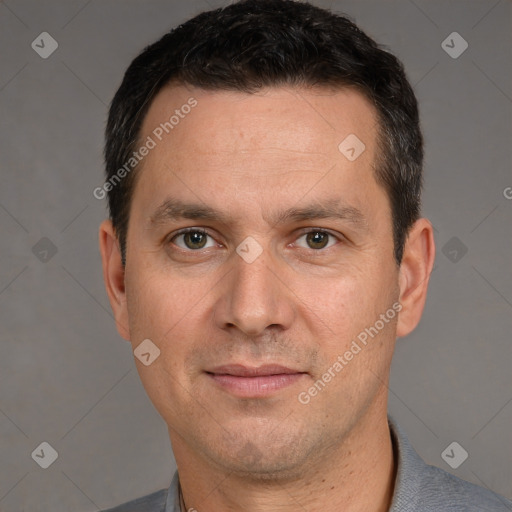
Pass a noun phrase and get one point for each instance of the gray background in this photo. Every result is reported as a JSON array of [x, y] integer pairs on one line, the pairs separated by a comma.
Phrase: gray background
[[67, 378]]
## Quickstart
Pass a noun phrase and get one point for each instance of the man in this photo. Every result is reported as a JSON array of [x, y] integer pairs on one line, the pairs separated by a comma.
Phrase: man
[[264, 251]]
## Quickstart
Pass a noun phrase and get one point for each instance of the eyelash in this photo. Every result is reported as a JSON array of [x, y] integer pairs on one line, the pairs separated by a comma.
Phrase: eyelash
[[204, 232]]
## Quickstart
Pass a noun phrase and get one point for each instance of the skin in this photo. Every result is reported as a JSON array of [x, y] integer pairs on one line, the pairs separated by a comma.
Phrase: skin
[[251, 156]]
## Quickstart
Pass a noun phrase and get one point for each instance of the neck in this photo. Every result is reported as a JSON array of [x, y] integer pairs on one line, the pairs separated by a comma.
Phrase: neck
[[354, 475]]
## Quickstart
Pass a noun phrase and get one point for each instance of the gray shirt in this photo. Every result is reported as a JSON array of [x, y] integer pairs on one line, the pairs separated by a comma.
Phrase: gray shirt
[[418, 488]]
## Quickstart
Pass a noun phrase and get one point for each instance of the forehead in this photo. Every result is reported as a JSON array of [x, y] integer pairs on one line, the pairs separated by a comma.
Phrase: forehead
[[278, 140], [295, 119]]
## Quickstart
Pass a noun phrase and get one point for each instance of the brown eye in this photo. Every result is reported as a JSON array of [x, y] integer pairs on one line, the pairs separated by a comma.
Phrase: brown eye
[[317, 240], [193, 239]]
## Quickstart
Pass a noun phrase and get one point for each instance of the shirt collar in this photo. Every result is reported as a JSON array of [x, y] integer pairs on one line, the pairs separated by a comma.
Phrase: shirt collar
[[409, 470]]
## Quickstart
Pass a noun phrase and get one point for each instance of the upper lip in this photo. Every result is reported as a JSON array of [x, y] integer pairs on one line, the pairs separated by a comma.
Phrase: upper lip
[[239, 370]]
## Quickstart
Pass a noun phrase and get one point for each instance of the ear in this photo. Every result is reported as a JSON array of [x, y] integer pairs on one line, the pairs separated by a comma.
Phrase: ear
[[113, 275], [415, 268]]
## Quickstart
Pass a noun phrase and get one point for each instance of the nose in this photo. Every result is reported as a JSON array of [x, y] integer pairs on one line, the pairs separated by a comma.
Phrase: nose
[[254, 297]]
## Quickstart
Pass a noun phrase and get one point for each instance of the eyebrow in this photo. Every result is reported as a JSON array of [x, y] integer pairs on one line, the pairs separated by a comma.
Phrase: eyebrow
[[173, 209]]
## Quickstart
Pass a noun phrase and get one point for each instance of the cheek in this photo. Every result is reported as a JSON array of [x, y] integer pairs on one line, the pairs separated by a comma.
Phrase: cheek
[[339, 310], [173, 315], [164, 313], [338, 301], [158, 304]]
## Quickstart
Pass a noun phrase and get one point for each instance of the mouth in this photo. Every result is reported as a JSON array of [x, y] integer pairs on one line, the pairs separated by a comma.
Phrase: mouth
[[254, 382]]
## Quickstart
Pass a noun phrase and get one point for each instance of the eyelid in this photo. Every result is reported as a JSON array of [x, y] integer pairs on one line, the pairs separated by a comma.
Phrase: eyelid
[[305, 231], [188, 230]]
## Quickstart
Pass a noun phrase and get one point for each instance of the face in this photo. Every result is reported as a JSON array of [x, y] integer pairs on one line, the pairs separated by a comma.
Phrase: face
[[255, 239]]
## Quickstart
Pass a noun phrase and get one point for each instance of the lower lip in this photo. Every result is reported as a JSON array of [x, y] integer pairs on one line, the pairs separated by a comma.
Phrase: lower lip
[[253, 387]]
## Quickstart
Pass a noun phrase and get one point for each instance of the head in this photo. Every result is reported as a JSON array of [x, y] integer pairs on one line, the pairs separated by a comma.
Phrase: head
[[284, 43], [288, 144]]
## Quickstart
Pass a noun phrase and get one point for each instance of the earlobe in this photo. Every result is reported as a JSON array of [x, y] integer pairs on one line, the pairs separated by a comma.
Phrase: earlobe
[[415, 269], [113, 276]]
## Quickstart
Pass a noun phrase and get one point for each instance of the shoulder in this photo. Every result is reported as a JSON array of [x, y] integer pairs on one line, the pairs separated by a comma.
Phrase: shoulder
[[154, 502], [444, 491], [420, 487]]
